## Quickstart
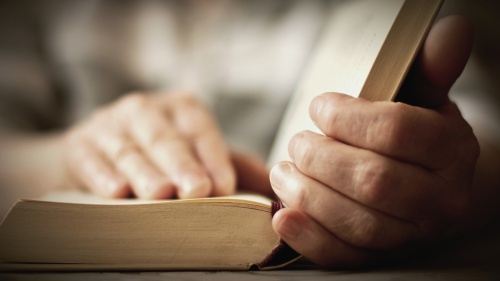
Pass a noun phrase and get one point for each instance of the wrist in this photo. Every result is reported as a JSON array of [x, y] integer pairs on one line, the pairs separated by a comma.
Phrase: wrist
[[31, 165]]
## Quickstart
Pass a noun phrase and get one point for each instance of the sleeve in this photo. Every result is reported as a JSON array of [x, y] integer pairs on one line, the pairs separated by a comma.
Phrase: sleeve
[[28, 99]]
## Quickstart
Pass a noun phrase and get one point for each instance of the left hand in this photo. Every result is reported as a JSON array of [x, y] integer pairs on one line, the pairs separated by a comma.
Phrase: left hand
[[385, 175]]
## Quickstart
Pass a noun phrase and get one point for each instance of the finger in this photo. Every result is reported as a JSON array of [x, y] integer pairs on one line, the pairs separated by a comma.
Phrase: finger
[[147, 182], [405, 191], [89, 167], [397, 130], [161, 141], [216, 159], [316, 243], [353, 223], [440, 62], [252, 174], [195, 122]]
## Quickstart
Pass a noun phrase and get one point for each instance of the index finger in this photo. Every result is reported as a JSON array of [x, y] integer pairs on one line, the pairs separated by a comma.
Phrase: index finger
[[198, 124], [166, 147], [407, 133]]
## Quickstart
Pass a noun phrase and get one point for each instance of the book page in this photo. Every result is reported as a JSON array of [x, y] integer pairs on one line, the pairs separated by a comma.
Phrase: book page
[[341, 62], [82, 197]]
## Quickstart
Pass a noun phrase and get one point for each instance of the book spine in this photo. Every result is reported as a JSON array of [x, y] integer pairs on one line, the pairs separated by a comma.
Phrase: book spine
[[282, 254]]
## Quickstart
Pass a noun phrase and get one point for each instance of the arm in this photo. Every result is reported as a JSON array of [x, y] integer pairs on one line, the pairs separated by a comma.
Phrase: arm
[[161, 146], [29, 143], [29, 167], [151, 146]]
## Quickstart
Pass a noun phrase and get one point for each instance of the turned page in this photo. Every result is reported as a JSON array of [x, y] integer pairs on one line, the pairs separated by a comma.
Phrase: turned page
[[85, 197], [341, 62]]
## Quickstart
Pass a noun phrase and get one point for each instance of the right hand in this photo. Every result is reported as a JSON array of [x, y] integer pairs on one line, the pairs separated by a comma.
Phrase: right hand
[[150, 146]]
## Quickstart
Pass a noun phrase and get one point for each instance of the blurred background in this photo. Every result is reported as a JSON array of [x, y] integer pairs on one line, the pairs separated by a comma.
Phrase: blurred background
[[59, 60], [62, 59]]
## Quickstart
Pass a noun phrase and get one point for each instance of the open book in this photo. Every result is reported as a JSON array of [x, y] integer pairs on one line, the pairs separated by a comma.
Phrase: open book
[[79, 231], [366, 50]]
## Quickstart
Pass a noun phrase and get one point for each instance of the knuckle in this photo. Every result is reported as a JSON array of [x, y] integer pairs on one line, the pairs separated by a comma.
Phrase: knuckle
[[157, 138], [303, 152], [364, 230], [330, 111], [133, 102], [152, 190], [393, 124], [372, 181], [329, 117], [160, 140], [205, 125], [120, 191], [301, 193], [187, 100], [301, 197], [124, 153]]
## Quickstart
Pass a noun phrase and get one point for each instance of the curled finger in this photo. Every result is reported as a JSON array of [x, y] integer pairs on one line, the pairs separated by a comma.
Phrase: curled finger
[[145, 179], [349, 220], [312, 240], [91, 169], [162, 142], [196, 123]]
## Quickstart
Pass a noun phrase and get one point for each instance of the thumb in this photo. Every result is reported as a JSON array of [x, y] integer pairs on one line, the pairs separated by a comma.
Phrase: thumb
[[440, 62], [252, 173]]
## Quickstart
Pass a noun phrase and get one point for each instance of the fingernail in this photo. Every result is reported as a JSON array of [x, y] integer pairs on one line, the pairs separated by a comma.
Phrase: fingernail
[[111, 187], [158, 188], [115, 188], [278, 175], [194, 186], [316, 106], [293, 143], [226, 183], [290, 229]]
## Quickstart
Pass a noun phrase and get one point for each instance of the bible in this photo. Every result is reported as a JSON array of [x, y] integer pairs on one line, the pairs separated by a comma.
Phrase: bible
[[79, 231], [365, 50]]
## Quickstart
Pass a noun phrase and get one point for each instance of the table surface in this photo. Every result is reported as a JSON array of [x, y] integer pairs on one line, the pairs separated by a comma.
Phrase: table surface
[[475, 257]]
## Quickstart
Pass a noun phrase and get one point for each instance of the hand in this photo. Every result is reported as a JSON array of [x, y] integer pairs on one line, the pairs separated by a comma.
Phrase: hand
[[153, 146], [386, 175]]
